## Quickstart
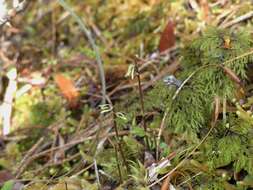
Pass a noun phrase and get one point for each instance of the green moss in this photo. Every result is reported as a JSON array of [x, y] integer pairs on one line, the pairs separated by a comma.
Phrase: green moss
[[190, 113], [41, 114]]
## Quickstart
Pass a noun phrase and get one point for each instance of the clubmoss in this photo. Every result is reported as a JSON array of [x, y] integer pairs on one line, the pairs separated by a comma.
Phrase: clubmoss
[[207, 59]]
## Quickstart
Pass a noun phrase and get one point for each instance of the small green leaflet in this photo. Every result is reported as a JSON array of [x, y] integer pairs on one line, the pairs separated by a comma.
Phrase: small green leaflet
[[8, 185]]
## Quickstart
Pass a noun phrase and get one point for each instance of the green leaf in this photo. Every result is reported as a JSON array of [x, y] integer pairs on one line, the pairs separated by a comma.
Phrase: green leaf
[[138, 131], [8, 185]]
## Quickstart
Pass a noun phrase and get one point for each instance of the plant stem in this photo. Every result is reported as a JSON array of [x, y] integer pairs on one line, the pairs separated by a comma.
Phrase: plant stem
[[117, 159], [143, 121], [118, 140]]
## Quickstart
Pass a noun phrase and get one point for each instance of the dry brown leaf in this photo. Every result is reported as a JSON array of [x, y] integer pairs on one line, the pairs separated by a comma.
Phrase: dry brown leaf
[[168, 38], [68, 89], [166, 184]]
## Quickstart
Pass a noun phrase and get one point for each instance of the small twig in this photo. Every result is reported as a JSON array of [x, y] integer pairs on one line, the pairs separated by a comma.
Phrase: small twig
[[238, 19], [170, 69], [73, 143], [157, 56], [51, 164], [190, 178], [160, 133], [27, 158], [92, 43], [219, 20], [98, 32], [83, 170], [97, 173], [228, 16], [44, 185]]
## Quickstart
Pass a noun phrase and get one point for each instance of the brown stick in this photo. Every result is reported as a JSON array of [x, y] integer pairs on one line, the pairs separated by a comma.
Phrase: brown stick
[[28, 159], [238, 20]]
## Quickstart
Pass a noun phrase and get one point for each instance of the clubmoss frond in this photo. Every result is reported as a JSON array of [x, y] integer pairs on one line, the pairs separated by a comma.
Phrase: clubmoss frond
[[190, 113]]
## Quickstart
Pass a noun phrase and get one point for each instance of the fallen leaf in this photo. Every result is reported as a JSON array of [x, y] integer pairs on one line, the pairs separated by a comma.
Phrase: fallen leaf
[[166, 184], [168, 37], [68, 89]]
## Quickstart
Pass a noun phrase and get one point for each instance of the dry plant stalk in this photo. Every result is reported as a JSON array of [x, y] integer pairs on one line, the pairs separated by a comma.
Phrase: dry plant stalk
[[7, 15]]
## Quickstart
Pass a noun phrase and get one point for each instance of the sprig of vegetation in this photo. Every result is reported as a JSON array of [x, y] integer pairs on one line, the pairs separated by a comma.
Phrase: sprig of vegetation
[[190, 108]]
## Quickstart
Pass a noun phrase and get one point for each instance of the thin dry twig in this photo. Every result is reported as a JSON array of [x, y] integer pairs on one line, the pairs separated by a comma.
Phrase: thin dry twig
[[238, 19], [97, 173], [170, 69], [75, 142], [27, 158], [50, 164]]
